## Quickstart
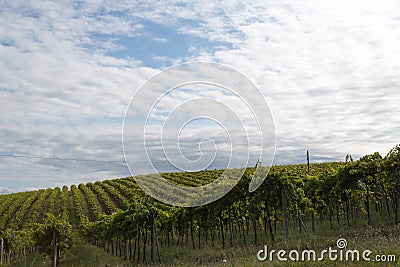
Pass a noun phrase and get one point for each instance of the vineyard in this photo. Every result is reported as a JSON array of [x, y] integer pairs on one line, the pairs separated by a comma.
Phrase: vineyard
[[117, 216]]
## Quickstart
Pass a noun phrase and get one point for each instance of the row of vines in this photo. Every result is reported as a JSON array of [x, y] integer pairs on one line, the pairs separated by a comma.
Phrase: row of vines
[[119, 217]]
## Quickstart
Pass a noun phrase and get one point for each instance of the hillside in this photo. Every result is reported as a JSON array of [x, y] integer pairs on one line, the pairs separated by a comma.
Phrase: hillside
[[116, 215], [95, 199]]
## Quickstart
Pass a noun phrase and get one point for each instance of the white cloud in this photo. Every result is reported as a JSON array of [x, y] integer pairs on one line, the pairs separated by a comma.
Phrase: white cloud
[[329, 71], [4, 190], [159, 39]]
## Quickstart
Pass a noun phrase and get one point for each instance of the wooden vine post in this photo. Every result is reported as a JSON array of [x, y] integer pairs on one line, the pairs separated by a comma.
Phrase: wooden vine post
[[54, 256], [1, 250], [153, 228], [285, 216]]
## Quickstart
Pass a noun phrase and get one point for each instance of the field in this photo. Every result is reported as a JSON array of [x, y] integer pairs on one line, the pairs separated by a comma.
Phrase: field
[[113, 222]]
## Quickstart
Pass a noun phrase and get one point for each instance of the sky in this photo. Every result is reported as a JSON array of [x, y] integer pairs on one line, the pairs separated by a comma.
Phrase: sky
[[329, 71]]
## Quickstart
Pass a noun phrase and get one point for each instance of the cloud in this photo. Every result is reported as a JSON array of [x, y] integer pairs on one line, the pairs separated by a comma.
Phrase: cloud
[[4, 190], [160, 39], [329, 71]]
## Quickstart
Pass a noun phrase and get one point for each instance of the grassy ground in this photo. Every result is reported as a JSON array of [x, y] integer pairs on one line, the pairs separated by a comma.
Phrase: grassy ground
[[81, 255], [382, 239]]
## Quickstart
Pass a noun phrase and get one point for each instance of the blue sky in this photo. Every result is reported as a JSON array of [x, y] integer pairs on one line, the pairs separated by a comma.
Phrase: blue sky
[[68, 69], [156, 45]]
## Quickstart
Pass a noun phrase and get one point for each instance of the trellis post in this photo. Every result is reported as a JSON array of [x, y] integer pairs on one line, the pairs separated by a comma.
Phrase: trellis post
[[1, 250]]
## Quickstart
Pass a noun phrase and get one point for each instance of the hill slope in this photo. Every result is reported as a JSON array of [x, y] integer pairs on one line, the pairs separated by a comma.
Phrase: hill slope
[[117, 216]]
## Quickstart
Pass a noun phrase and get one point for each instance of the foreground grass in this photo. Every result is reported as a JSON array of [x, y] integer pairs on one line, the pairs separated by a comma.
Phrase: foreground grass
[[81, 255], [382, 239]]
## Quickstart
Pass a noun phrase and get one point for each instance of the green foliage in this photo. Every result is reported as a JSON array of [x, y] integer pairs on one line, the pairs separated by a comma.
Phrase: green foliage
[[16, 239], [53, 230], [112, 212]]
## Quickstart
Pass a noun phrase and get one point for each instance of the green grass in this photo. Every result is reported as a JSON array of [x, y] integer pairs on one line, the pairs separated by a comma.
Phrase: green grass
[[81, 255], [379, 241], [381, 238]]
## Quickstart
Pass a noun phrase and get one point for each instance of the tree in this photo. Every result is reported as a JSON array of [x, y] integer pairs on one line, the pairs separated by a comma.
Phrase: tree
[[367, 169], [12, 242], [392, 169], [53, 237]]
